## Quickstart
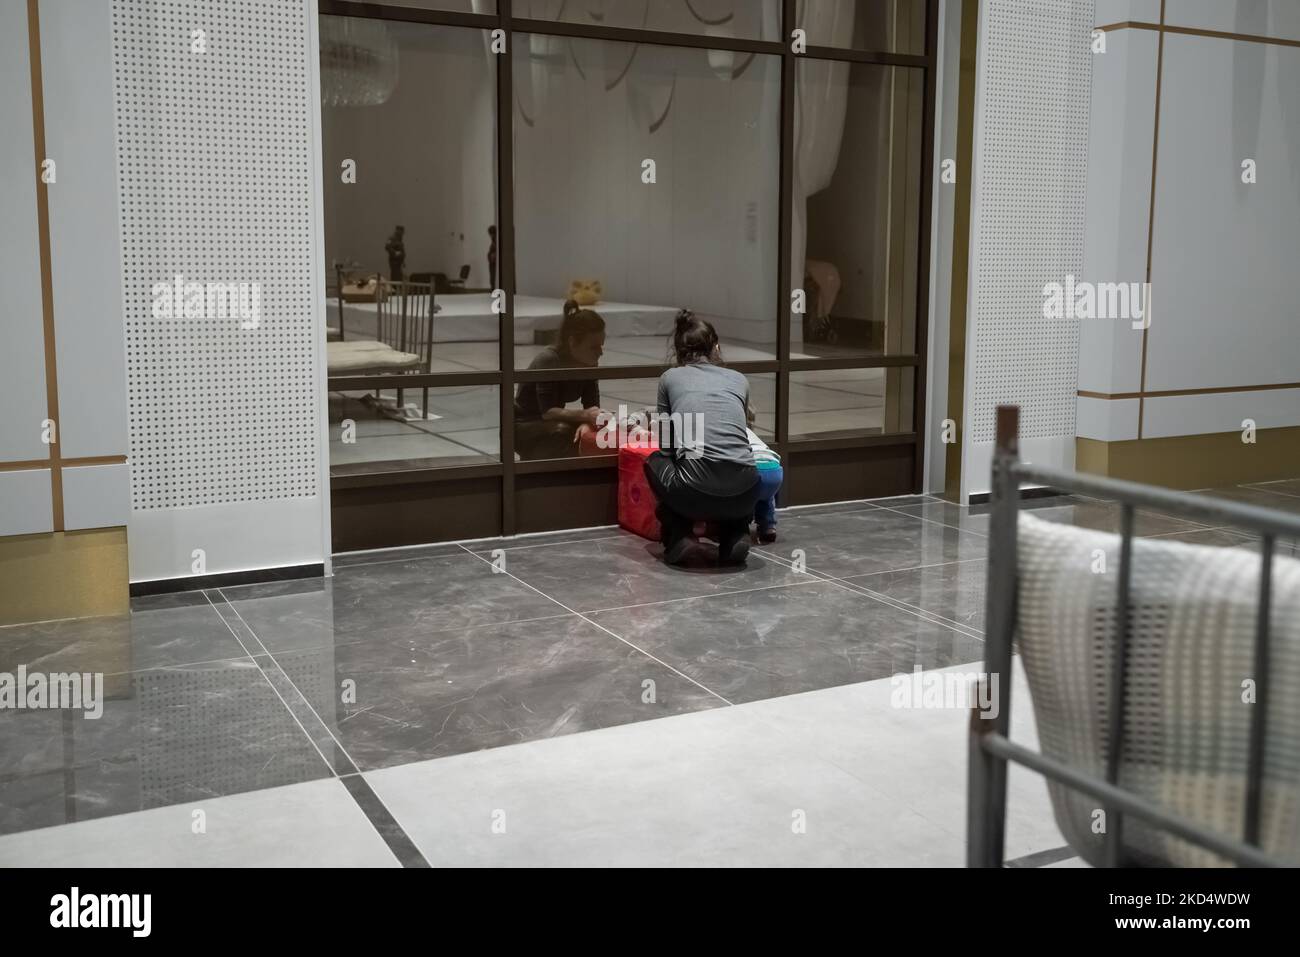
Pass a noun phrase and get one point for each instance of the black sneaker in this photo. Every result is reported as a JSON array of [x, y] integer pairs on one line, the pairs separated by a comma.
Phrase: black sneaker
[[733, 551], [766, 536], [675, 553]]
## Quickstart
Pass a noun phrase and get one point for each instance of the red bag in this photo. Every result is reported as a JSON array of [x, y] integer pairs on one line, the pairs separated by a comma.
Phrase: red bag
[[636, 500]]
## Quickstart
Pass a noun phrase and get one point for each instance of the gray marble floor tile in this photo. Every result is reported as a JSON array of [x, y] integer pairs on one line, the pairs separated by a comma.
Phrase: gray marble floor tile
[[787, 640], [166, 736], [483, 687], [1284, 487], [1257, 496], [1229, 538], [158, 632], [875, 540], [626, 571], [310, 824], [955, 591], [392, 601]]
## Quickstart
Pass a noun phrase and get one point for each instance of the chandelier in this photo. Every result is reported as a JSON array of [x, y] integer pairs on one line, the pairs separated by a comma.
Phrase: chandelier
[[358, 62]]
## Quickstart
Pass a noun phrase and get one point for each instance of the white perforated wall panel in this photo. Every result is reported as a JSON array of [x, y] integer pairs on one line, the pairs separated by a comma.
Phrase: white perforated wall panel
[[217, 148], [1031, 149], [214, 166]]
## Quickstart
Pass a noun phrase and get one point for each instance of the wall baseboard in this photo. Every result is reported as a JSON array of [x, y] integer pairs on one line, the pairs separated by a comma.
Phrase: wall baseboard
[[255, 576], [1195, 461], [54, 575]]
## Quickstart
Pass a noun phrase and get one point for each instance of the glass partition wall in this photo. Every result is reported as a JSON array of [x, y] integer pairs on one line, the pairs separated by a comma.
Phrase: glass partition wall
[[762, 163]]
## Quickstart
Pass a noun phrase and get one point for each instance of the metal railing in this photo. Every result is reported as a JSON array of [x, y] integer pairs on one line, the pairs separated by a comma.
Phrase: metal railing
[[990, 745]]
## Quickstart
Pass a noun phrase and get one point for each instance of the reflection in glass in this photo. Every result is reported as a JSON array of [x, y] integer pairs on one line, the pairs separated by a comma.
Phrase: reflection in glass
[[389, 429], [408, 132], [623, 405], [746, 19], [889, 26], [856, 208], [488, 7], [835, 403], [645, 182]]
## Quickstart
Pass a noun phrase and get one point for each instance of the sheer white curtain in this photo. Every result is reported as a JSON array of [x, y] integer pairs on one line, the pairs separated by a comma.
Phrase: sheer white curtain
[[821, 96]]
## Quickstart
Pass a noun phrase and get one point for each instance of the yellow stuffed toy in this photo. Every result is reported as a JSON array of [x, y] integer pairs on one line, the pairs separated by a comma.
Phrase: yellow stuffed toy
[[585, 292]]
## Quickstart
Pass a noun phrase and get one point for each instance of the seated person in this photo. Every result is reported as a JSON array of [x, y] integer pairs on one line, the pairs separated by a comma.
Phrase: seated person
[[770, 477], [706, 473], [544, 428]]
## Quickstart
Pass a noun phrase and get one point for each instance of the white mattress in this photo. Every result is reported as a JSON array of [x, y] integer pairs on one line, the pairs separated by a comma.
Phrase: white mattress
[[469, 318], [366, 355]]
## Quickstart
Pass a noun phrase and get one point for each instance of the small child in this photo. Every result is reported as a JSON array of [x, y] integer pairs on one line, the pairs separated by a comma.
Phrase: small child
[[770, 475]]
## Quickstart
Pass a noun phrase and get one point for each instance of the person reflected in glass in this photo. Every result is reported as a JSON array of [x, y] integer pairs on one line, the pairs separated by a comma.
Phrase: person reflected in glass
[[544, 427], [704, 469]]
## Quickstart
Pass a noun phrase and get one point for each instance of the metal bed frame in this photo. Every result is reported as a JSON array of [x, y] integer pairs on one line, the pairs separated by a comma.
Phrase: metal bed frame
[[990, 745]]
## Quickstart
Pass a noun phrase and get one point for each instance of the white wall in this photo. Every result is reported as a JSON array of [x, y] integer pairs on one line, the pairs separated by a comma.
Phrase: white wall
[[1223, 253], [85, 263], [943, 210], [426, 159], [704, 235]]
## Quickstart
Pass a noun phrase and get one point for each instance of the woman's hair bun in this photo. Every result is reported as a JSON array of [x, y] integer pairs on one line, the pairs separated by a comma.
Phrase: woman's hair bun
[[683, 317], [570, 307]]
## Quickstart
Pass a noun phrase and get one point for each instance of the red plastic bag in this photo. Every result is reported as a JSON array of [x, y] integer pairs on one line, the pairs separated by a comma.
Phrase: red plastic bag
[[636, 500]]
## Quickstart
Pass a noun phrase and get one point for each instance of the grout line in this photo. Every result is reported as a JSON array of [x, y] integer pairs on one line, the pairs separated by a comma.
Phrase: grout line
[[451, 546], [316, 715], [292, 683], [572, 541], [328, 764], [1271, 491], [604, 629], [720, 594], [912, 568], [971, 531], [895, 603]]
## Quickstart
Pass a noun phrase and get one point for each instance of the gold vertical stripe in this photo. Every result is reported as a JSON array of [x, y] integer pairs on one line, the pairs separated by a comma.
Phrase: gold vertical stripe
[[1151, 211], [961, 241], [47, 281]]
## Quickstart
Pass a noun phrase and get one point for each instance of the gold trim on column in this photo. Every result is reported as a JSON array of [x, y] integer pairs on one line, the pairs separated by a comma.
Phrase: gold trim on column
[[970, 29], [1151, 210], [47, 282], [85, 460], [1163, 27], [1194, 461], [1172, 393], [63, 575]]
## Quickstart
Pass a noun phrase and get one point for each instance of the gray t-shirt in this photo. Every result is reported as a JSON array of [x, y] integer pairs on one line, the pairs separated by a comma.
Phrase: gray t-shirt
[[709, 429]]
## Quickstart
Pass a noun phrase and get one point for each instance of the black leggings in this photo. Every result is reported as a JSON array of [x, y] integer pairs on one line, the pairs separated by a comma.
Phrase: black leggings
[[681, 505]]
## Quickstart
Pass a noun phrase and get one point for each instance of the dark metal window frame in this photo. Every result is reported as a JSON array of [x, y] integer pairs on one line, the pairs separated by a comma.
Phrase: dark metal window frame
[[991, 747], [507, 376]]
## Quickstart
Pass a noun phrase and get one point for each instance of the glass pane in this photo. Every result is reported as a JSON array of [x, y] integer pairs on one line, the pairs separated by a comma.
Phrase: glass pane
[[745, 19], [888, 26], [646, 181], [856, 219], [623, 399], [409, 138], [834, 403], [488, 7], [394, 428]]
